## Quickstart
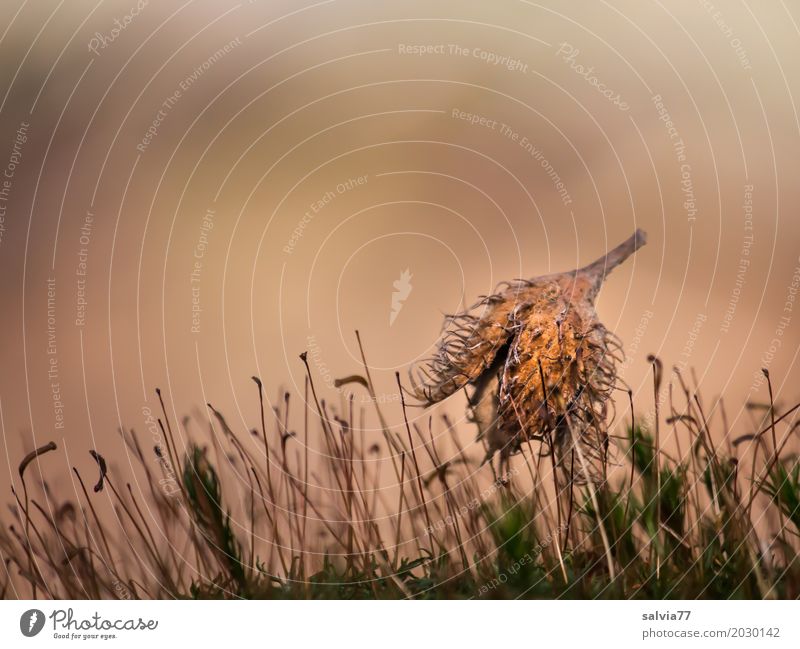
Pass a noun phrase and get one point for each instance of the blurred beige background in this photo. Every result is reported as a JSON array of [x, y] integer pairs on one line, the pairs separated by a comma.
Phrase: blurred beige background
[[277, 166]]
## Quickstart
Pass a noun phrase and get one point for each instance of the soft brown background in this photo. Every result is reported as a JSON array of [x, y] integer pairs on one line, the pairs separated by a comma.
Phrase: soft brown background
[[320, 94]]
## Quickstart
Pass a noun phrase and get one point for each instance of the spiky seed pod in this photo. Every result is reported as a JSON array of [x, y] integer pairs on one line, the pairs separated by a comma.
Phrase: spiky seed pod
[[541, 364]]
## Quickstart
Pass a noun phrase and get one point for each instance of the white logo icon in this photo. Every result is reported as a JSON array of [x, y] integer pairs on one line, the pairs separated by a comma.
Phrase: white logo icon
[[402, 289]]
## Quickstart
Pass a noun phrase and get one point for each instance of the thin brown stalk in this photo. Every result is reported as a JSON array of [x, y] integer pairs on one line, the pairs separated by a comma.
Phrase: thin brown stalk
[[416, 465]]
